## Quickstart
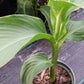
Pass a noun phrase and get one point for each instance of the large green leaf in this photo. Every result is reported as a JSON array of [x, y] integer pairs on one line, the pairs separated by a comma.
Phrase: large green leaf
[[27, 6], [75, 30], [60, 13], [79, 3], [45, 10], [17, 31], [34, 65]]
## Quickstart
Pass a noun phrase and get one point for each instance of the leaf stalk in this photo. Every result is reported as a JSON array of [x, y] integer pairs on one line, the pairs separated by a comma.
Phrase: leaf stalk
[[55, 52]]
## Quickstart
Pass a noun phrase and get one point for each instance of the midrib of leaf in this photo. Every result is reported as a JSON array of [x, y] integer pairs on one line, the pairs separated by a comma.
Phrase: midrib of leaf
[[57, 24]]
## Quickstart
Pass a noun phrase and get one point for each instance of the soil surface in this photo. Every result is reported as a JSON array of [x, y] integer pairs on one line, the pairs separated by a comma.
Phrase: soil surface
[[62, 77]]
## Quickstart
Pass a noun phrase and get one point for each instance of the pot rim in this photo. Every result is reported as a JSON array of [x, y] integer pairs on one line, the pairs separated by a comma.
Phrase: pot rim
[[68, 69]]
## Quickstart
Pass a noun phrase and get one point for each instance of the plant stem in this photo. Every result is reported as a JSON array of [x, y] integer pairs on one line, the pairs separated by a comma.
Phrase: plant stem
[[55, 52]]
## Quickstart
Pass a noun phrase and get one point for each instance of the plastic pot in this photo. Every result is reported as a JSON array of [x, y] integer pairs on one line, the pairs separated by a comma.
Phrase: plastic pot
[[68, 69]]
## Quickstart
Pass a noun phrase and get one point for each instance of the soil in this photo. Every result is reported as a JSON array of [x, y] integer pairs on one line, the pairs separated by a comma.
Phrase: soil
[[62, 77]]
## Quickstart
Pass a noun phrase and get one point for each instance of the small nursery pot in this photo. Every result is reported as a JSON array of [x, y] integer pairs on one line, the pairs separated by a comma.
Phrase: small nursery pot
[[68, 69]]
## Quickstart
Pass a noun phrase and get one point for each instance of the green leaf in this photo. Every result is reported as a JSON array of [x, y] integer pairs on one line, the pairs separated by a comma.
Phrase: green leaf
[[79, 3], [45, 10], [34, 65], [60, 13], [26, 7], [75, 30], [16, 32]]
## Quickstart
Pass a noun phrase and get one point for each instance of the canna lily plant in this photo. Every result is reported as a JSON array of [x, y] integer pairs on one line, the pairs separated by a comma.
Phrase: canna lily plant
[[18, 31]]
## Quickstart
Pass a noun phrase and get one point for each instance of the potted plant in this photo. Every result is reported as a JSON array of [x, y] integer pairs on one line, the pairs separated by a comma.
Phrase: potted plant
[[17, 31]]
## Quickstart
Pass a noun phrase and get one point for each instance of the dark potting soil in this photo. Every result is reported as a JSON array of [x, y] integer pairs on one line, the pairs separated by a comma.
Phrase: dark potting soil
[[62, 77]]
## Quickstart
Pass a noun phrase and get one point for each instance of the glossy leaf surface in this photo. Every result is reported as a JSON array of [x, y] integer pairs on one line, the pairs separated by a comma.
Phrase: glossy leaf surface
[[75, 30], [34, 65], [16, 32]]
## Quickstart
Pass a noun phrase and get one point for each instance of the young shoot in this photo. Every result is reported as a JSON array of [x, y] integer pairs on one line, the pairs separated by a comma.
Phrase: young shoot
[[19, 30]]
